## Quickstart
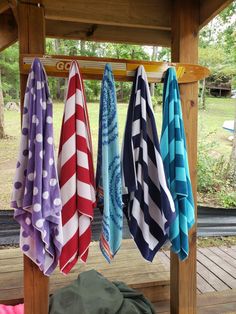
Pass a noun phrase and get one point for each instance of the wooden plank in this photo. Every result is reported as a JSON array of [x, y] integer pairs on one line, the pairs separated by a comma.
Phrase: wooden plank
[[153, 14], [107, 33], [218, 309], [203, 286], [8, 30], [217, 259], [123, 69], [31, 26], [4, 6], [210, 8], [223, 254], [218, 271], [229, 250], [211, 278], [185, 25]]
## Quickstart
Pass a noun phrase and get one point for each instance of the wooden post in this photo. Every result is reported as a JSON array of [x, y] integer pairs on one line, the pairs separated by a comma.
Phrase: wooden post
[[185, 25], [31, 25]]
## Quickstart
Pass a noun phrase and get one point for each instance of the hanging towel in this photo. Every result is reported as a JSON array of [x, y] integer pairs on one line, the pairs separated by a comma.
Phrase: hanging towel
[[174, 154], [36, 195], [149, 206], [76, 174], [108, 176]]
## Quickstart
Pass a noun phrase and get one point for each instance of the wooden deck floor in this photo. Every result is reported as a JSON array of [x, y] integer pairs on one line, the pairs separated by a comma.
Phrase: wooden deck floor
[[216, 277]]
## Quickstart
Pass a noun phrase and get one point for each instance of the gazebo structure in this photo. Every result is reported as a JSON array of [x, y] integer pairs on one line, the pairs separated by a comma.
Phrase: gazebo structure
[[169, 23]]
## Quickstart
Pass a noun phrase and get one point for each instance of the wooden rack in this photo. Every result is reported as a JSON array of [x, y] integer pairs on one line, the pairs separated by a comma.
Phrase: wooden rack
[[93, 67]]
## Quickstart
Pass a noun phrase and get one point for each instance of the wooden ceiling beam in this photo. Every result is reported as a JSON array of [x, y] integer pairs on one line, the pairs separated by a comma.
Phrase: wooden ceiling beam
[[153, 14], [4, 5], [8, 29], [105, 33], [210, 8]]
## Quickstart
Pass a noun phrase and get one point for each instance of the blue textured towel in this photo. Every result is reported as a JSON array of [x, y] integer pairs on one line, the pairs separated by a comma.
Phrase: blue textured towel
[[108, 176], [174, 154]]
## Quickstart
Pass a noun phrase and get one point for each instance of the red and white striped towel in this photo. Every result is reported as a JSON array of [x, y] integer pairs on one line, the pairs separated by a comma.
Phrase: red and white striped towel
[[76, 174]]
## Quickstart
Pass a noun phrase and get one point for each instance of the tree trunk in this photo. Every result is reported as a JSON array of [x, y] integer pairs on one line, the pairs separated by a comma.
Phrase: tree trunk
[[233, 153], [154, 53], [2, 133], [203, 95], [152, 89]]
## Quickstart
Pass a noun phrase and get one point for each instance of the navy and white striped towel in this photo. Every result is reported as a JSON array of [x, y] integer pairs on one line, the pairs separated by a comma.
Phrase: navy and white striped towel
[[148, 204]]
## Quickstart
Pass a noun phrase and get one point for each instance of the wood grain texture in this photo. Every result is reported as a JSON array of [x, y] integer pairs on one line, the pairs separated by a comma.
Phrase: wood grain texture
[[8, 29], [154, 14], [208, 303], [107, 33], [210, 8], [32, 40], [185, 24], [4, 5]]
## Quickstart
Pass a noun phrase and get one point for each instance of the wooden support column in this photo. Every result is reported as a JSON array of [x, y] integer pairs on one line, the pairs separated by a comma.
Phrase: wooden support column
[[185, 25], [31, 25]]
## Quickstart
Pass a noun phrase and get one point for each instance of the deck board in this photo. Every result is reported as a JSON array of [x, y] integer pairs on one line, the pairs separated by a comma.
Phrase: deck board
[[216, 272]]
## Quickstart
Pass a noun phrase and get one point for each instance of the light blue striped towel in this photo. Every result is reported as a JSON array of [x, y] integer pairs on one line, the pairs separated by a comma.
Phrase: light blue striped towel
[[108, 176], [174, 155]]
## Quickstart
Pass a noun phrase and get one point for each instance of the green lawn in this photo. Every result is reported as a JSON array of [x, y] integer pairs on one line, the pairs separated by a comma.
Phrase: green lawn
[[210, 122]]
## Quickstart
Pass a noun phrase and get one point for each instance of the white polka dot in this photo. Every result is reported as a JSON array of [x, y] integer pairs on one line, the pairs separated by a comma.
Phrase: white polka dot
[[39, 223], [50, 140], [57, 201], [39, 85], [43, 251], [34, 96], [28, 221], [37, 121], [49, 119], [53, 181], [31, 176], [32, 75], [37, 207], [45, 195], [35, 191], [39, 137], [44, 105], [34, 174], [45, 173], [51, 161], [26, 191], [34, 118], [30, 154], [32, 91], [41, 154]]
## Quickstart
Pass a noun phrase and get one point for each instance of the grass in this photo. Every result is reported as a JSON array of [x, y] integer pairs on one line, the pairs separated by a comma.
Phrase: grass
[[211, 121], [210, 129]]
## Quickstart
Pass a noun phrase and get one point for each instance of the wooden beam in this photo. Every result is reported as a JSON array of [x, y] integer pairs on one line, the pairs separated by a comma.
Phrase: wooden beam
[[106, 33], [4, 5], [185, 25], [154, 14], [32, 40], [8, 30], [210, 8], [13, 6]]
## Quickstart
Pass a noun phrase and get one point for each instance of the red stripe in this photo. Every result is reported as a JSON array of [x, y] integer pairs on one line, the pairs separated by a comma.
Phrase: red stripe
[[68, 170], [68, 129], [85, 206], [68, 210]]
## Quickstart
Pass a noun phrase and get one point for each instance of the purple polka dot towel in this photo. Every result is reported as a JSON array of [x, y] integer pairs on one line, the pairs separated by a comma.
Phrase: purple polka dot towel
[[36, 195]]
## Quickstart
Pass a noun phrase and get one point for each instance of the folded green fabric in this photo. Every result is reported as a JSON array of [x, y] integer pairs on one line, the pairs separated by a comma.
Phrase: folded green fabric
[[92, 293]]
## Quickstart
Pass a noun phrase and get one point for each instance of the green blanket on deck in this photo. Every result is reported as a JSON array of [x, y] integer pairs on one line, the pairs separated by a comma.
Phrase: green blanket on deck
[[91, 293]]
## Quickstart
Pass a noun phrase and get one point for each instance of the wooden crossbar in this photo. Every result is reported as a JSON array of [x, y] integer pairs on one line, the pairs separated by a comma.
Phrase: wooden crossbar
[[124, 70]]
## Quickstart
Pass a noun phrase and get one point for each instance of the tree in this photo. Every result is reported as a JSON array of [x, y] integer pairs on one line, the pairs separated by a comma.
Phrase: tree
[[2, 133]]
